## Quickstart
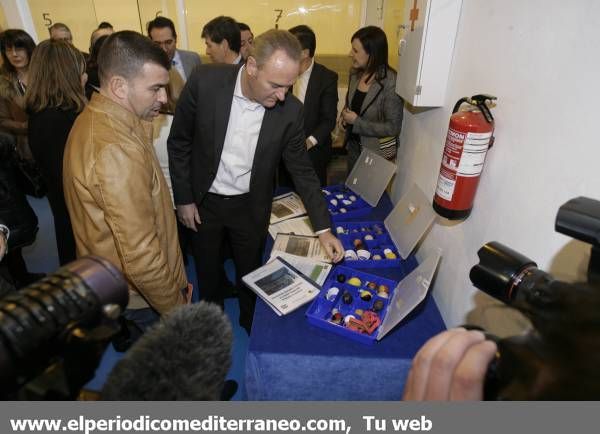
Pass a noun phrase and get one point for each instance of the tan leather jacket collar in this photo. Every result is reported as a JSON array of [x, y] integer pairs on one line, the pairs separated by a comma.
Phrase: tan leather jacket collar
[[127, 120]]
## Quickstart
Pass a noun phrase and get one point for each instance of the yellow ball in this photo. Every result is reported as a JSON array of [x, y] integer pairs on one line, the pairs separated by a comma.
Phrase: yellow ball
[[354, 281]]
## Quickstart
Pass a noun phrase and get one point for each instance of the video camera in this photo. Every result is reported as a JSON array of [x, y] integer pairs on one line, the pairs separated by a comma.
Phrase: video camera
[[559, 357], [55, 331]]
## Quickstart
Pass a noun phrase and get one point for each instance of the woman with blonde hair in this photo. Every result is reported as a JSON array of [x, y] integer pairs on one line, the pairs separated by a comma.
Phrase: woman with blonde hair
[[53, 100]]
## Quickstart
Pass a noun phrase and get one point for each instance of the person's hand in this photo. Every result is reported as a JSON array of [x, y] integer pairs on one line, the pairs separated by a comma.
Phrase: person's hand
[[189, 216], [309, 144], [3, 245], [187, 293], [340, 122], [349, 116], [333, 247], [450, 366]]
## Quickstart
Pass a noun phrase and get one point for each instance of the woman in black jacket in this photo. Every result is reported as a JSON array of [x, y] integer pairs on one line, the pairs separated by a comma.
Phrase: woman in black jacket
[[373, 112], [54, 99]]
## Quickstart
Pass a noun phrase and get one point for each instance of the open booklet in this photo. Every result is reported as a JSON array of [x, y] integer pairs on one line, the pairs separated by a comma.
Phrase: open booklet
[[296, 226], [286, 206], [299, 245], [285, 285]]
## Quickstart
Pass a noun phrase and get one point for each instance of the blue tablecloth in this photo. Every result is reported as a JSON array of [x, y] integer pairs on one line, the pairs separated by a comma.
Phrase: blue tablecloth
[[288, 359]]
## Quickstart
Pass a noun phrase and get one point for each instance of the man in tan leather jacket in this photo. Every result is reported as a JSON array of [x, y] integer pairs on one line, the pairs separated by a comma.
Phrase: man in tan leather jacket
[[115, 191]]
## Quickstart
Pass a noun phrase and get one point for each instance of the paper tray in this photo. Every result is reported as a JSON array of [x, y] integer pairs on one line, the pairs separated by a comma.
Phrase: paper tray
[[406, 295], [365, 185], [398, 234]]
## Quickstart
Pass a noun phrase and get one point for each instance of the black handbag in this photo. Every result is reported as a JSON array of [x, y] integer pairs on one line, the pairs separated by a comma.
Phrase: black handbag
[[29, 176]]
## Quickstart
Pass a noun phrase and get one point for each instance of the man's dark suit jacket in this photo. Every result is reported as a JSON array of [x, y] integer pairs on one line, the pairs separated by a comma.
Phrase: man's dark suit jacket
[[196, 142], [320, 113]]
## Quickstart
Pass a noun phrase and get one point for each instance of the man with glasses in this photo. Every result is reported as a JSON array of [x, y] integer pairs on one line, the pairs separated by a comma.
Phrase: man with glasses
[[162, 32]]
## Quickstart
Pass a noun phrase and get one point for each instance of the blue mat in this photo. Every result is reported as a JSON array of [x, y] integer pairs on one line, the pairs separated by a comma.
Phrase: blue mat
[[289, 359]]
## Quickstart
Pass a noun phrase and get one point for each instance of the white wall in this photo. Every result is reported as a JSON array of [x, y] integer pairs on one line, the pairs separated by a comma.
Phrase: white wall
[[541, 58]]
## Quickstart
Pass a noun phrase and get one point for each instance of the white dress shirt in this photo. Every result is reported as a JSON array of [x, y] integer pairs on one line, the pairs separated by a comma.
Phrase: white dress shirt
[[178, 65], [243, 128], [301, 83], [161, 125]]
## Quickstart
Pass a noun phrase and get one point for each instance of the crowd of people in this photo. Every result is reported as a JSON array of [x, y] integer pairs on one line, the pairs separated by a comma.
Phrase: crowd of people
[[261, 112]]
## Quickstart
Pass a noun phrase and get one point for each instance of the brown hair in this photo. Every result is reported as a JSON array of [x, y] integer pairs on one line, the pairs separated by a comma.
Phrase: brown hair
[[374, 42], [221, 28], [55, 74], [272, 40], [16, 38], [124, 53]]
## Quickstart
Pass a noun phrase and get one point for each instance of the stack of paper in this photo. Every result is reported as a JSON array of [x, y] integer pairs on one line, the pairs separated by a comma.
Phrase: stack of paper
[[286, 206], [285, 286], [299, 246]]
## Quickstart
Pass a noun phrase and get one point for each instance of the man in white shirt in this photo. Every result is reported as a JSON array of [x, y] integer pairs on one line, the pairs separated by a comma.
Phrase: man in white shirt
[[162, 32], [232, 126], [223, 41]]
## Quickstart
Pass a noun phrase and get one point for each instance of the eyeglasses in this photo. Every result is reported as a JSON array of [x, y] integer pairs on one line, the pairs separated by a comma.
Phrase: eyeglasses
[[249, 41]]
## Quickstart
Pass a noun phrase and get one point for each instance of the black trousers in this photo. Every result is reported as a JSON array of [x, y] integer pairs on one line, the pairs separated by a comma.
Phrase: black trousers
[[183, 234], [65, 240], [229, 217]]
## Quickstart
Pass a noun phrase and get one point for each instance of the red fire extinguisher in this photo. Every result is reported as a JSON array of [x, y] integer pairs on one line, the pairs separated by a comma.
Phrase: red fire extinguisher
[[469, 137]]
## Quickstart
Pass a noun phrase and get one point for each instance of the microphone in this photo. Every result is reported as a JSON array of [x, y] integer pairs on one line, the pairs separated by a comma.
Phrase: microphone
[[184, 357]]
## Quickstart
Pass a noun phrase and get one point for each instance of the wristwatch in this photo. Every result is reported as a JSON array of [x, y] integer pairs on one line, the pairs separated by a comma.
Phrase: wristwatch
[[4, 230]]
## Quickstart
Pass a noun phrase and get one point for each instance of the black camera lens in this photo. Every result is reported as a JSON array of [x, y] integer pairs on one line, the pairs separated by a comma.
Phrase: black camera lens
[[36, 301], [16, 323], [35, 321], [65, 284], [500, 271]]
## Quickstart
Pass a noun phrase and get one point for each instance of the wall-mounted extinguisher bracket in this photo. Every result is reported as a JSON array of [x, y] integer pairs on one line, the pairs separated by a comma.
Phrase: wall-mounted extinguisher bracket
[[470, 135]]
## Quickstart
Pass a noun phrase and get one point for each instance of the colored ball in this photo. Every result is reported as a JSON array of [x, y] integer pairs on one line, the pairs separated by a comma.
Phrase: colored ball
[[354, 281]]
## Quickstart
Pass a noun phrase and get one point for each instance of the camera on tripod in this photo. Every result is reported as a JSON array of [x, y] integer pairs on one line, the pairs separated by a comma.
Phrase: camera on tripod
[[559, 357]]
